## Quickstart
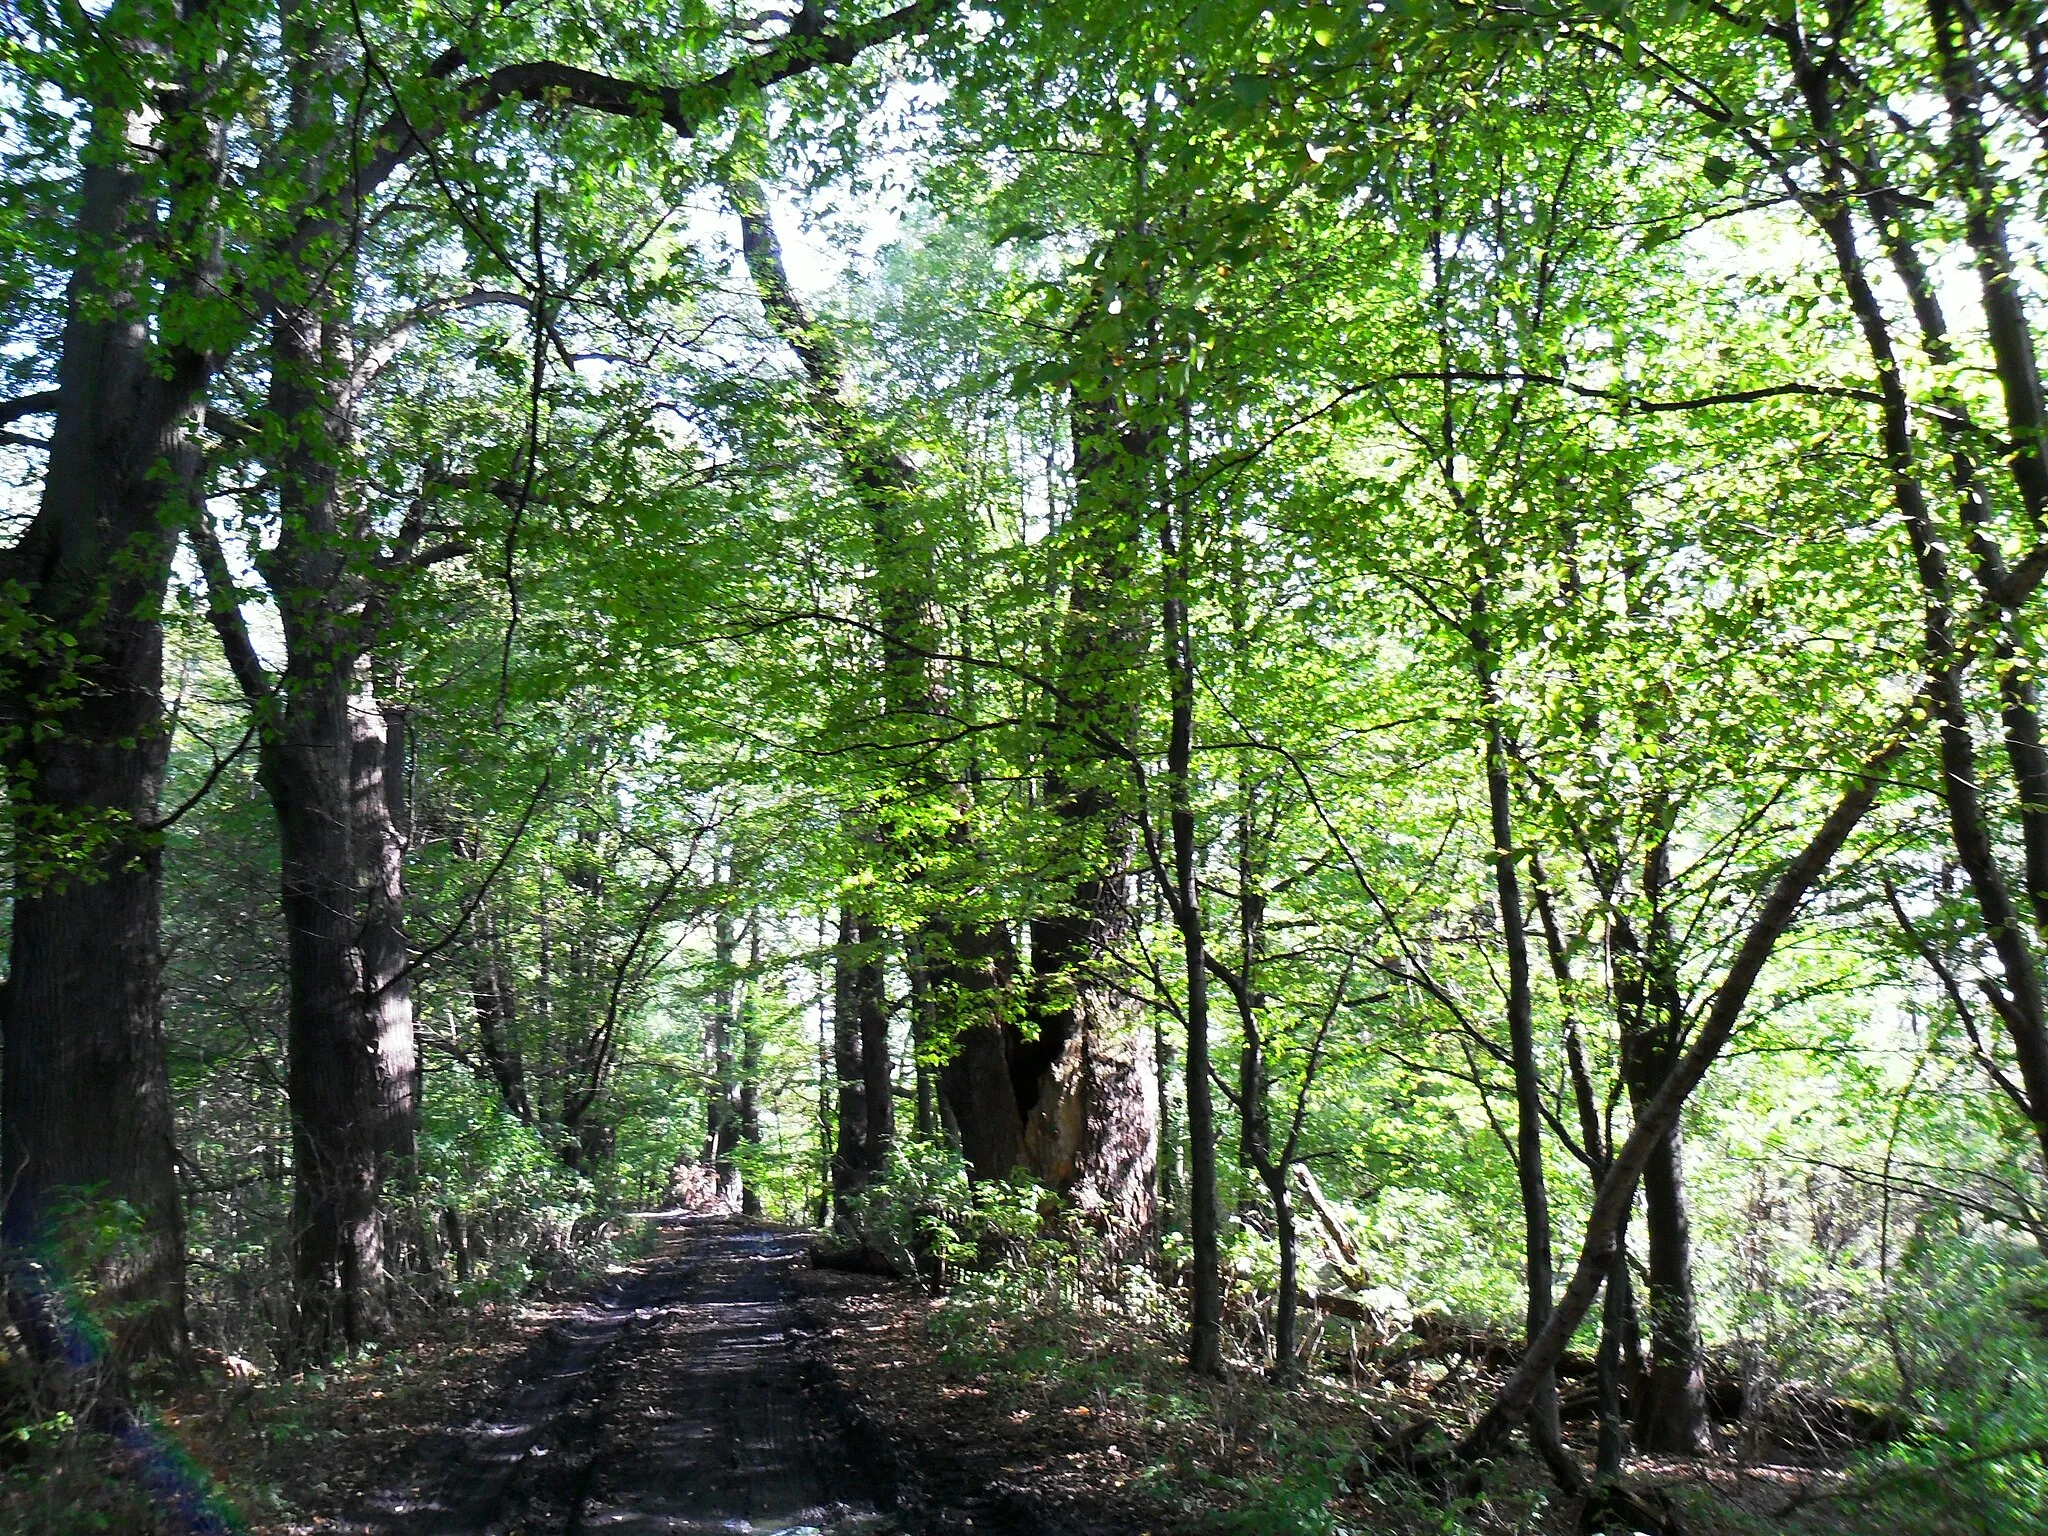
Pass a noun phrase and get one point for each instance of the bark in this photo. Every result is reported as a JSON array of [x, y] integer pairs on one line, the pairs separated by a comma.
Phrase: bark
[[970, 976], [850, 1148], [85, 1116], [1286, 1328], [352, 1063], [495, 1005], [1672, 1415], [1205, 1310], [1611, 1445], [331, 757], [722, 1119], [878, 1074], [1670, 1411], [1538, 1275]]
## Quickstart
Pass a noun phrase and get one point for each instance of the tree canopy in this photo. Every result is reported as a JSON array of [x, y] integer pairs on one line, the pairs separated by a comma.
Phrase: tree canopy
[[1373, 660]]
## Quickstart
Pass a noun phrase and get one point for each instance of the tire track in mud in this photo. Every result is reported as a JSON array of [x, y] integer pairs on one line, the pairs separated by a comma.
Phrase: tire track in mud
[[673, 1400]]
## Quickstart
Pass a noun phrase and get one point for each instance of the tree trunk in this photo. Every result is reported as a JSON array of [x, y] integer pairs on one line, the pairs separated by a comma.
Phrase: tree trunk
[[1670, 1414], [85, 1114], [1611, 1440], [1529, 1173], [1616, 1316], [850, 1149], [750, 1066], [1205, 1311], [495, 1005], [87, 1109], [722, 1118], [1088, 1084], [878, 1069], [353, 1065], [1287, 1311]]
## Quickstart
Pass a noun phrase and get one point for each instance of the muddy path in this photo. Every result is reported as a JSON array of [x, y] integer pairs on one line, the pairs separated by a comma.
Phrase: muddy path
[[674, 1399]]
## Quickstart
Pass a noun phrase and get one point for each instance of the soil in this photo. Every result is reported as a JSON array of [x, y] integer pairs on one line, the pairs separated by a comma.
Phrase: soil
[[677, 1399], [724, 1384], [714, 1388]]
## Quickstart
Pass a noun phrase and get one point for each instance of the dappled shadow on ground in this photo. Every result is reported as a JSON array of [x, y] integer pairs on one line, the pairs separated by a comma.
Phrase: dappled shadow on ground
[[673, 1400]]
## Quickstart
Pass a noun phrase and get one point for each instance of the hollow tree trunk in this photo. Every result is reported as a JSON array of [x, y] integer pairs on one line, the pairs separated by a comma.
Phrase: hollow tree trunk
[[1075, 1107], [1088, 1084]]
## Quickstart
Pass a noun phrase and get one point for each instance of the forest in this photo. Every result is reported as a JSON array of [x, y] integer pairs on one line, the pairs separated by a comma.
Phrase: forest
[[1296, 745]]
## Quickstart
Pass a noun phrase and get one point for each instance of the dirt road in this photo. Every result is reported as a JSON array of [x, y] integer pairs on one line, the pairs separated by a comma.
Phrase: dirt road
[[674, 1400]]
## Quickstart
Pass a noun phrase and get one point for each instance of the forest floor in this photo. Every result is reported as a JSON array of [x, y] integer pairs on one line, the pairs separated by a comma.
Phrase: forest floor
[[720, 1383], [676, 1398]]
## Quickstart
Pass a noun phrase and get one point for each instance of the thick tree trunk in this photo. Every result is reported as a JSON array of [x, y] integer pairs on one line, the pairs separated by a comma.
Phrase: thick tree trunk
[[331, 762], [968, 975], [87, 1110], [353, 1066], [1088, 1084], [380, 828], [85, 1116]]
